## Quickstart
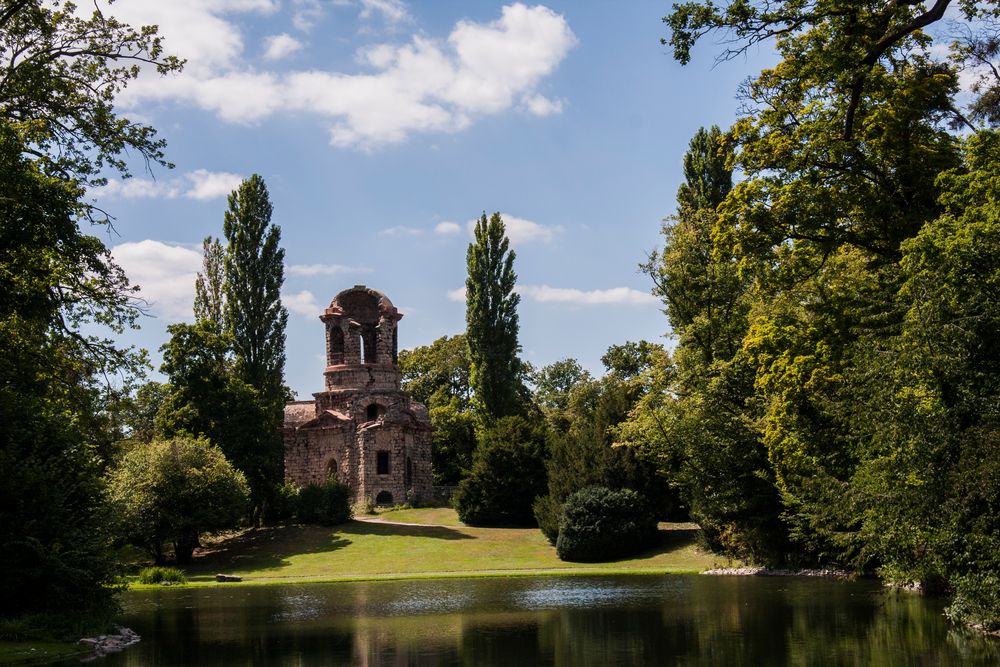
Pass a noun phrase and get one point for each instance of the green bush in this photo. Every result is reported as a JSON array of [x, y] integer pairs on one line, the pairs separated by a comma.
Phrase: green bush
[[508, 473], [547, 511], [283, 504], [601, 524], [976, 601], [326, 504], [162, 575]]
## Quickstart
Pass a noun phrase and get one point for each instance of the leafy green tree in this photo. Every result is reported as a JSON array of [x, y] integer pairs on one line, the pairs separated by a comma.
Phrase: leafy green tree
[[508, 473], [553, 383], [172, 491], [491, 323], [438, 376], [138, 411], [207, 398], [453, 441], [255, 319], [695, 419], [439, 368], [582, 451], [209, 286], [59, 133]]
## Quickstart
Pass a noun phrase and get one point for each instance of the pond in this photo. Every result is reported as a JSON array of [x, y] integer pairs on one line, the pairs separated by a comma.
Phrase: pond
[[607, 620]]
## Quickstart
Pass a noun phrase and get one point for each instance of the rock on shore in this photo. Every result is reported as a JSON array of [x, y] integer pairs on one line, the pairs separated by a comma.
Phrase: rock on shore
[[104, 644]]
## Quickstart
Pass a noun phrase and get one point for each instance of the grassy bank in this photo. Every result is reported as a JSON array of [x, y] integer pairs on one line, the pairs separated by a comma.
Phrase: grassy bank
[[439, 547]]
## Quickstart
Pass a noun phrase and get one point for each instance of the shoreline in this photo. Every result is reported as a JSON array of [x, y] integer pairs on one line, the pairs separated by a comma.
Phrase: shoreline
[[414, 576]]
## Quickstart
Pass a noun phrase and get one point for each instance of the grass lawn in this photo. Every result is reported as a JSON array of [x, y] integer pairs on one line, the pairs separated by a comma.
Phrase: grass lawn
[[376, 549]]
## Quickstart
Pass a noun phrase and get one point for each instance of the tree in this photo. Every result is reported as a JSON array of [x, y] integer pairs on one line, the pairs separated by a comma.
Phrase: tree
[[172, 491], [208, 399], [439, 368], [438, 376], [508, 473], [256, 321], [553, 383], [58, 133], [61, 73], [254, 273], [581, 445], [209, 286], [491, 322]]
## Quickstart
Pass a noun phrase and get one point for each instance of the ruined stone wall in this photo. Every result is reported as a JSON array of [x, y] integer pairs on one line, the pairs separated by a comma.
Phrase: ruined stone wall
[[401, 443], [309, 452]]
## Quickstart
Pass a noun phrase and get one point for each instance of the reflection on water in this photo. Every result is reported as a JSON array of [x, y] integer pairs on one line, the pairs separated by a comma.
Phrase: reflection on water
[[634, 620]]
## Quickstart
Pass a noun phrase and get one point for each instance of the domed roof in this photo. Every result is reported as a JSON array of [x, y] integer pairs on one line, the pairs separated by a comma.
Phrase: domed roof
[[361, 293]]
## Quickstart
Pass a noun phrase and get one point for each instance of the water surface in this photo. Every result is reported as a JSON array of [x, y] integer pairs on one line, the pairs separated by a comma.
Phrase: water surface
[[629, 620]]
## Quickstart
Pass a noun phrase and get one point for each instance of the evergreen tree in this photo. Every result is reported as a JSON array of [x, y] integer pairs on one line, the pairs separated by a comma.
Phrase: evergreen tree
[[255, 319], [491, 323], [209, 286]]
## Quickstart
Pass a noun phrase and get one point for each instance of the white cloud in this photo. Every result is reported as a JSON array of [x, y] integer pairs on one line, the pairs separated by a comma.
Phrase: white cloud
[[401, 230], [164, 272], [211, 185], [280, 46], [540, 105], [545, 294], [445, 228], [199, 184], [303, 303], [306, 13], [614, 295], [322, 269], [391, 11], [425, 85], [521, 231]]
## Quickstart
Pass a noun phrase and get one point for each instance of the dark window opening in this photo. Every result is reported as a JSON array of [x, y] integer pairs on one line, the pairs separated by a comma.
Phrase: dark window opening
[[408, 474], [383, 498], [331, 469], [395, 345], [336, 345], [372, 412], [368, 345], [382, 463]]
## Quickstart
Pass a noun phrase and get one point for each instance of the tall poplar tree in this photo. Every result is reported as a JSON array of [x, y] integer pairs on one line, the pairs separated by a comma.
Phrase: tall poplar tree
[[209, 286], [255, 320], [491, 322], [254, 273]]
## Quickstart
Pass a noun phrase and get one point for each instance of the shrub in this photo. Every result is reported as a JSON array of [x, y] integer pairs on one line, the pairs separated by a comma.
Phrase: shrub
[[548, 511], [171, 491], [976, 601], [283, 503], [326, 504], [162, 575], [508, 473], [600, 524]]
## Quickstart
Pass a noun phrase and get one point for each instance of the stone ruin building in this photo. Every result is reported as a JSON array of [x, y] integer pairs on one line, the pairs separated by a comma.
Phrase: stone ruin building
[[362, 428]]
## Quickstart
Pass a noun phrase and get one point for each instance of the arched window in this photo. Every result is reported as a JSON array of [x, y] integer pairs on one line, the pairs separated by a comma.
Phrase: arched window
[[383, 498], [372, 412], [336, 345], [332, 470]]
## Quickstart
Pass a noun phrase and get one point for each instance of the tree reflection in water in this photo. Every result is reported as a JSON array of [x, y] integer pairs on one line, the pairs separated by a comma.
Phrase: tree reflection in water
[[578, 621]]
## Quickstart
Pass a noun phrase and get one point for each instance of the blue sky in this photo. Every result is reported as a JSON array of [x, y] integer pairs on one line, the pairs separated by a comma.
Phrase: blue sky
[[382, 128]]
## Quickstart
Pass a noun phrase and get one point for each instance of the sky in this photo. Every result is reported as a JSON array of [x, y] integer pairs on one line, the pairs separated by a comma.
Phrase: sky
[[384, 128]]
